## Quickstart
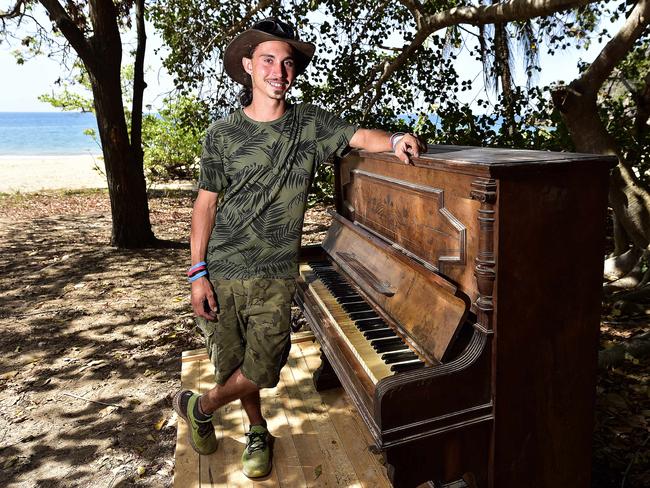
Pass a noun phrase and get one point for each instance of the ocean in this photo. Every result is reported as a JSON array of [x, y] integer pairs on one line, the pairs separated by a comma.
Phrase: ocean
[[47, 134]]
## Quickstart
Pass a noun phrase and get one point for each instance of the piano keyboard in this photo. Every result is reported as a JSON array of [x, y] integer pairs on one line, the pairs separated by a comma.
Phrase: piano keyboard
[[380, 351]]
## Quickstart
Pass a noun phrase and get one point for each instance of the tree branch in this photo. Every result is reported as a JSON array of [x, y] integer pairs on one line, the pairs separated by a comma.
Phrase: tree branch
[[487, 14], [72, 33], [138, 78], [615, 50], [16, 11], [389, 68], [239, 26], [416, 9], [500, 12]]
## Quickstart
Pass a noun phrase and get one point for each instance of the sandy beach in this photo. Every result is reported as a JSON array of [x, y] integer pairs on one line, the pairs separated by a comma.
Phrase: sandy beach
[[33, 173]]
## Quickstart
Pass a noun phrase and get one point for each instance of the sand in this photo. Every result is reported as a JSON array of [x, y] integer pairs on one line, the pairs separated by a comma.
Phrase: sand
[[33, 173]]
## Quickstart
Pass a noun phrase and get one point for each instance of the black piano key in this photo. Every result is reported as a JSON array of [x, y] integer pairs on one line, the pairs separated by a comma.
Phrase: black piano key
[[384, 341], [380, 333], [364, 327], [356, 307], [348, 298], [337, 286], [392, 347], [331, 276], [374, 321], [400, 368], [363, 315], [337, 290], [398, 357]]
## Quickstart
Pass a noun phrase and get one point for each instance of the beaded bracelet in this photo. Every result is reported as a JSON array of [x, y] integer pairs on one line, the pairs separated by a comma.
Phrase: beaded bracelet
[[197, 276]]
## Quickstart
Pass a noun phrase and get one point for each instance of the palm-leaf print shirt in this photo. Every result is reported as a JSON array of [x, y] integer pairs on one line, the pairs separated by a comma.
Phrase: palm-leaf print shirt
[[263, 171]]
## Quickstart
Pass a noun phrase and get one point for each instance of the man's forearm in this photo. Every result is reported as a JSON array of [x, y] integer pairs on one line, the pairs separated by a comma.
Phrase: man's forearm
[[203, 216], [372, 140]]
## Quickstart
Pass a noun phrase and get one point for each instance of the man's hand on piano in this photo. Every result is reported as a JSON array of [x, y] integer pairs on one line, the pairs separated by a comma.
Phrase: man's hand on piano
[[409, 146], [204, 301]]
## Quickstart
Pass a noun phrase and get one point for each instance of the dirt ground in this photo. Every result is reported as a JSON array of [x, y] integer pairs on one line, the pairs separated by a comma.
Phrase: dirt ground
[[91, 338]]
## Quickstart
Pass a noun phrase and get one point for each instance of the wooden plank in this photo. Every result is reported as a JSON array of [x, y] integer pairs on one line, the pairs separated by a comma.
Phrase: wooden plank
[[316, 468], [328, 439], [211, 472], [233, 444], [319, 439], [194, 355], [286, 462], [302, 336], [187, 460], [350, 428]]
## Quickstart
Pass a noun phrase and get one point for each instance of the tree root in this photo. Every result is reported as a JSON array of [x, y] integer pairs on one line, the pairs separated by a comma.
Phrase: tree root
[[640, 294], [637, 347], [636, 277], [616, 267]]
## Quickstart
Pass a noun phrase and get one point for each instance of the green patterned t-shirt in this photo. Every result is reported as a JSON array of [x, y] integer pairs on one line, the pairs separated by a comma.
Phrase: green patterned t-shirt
[[263, 171]]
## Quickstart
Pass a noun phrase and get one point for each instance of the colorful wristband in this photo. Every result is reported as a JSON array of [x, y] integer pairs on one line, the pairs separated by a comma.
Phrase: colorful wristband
[[197, 265], [197, 276], [192, 272]]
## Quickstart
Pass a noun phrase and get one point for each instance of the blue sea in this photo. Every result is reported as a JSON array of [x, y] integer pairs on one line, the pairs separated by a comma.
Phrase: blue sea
[[46, 134]]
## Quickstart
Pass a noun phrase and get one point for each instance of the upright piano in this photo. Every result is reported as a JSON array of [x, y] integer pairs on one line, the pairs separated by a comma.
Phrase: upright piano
[[457, 301]]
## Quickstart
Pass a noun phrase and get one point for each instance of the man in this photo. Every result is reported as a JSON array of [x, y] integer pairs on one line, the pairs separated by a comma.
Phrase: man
[[261, 159]]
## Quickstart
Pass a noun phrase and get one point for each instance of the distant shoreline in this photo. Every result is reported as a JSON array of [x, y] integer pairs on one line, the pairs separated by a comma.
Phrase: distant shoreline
[[6, 157], [50, 172]]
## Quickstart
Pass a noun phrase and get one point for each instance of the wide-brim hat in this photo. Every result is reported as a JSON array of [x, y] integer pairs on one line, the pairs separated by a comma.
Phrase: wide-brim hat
[[270, 29]]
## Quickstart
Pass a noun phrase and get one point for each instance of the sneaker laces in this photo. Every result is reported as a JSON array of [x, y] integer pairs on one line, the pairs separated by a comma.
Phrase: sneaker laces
[[256, 441], [204, 427]]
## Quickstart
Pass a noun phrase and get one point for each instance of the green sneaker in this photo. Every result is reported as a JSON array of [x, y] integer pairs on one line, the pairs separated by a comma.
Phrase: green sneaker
[[256, 459], [201, 432]]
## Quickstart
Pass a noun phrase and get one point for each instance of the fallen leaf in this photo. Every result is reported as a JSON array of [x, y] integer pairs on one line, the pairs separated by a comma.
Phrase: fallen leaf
[[318, 470], [159, 425], [141, 470]]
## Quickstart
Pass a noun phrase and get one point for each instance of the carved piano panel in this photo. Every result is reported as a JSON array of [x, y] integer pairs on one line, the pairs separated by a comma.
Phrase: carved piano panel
[[411, 215], [428, 213]]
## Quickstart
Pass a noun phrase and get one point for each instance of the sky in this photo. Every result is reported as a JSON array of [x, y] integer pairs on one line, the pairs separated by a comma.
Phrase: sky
[[22, 84]]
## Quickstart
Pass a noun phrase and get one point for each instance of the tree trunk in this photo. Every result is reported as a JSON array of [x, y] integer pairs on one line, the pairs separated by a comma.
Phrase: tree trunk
[[124, 168], [577, 103], [629, 200]]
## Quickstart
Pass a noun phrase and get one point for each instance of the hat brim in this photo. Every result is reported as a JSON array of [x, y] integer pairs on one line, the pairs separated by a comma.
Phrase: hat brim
[[242, 45]]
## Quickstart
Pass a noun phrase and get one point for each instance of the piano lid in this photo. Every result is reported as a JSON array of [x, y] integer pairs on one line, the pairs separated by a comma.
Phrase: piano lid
[[427, 307]]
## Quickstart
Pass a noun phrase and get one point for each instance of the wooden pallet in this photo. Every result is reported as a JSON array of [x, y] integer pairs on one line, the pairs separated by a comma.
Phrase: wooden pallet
[[319, 438]]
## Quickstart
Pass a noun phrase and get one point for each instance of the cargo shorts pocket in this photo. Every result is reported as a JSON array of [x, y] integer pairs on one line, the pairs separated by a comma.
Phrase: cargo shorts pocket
[[209, 329]]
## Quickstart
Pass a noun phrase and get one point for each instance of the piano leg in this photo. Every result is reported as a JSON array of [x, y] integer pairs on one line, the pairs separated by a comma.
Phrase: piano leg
[[325, 377]]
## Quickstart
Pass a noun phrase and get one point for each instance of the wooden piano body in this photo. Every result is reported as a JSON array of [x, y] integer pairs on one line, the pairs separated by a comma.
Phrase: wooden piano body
[[487, 264]]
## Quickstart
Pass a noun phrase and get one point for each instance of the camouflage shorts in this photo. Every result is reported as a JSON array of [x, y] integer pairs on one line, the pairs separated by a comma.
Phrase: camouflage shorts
[[253, 330]]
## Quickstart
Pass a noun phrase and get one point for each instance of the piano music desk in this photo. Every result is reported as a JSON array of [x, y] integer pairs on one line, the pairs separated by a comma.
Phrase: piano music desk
[[319, 438]]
